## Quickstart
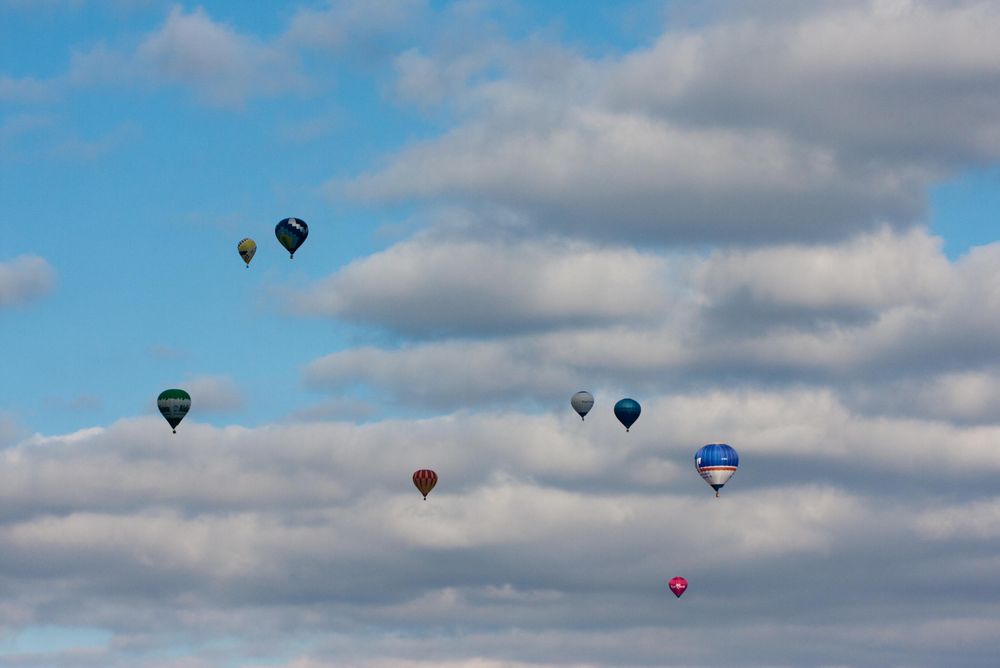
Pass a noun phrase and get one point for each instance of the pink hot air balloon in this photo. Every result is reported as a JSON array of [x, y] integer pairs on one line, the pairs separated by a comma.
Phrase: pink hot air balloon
[[678, 586]]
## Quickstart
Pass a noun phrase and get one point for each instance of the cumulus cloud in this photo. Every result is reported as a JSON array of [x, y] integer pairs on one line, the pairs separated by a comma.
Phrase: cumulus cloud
[[890, 98], [536, 528], [614, 176], [430, 286], [10, 429], [79, 148], [827, 338], [215, 394], [222, 66], [25, 90], [748, 131], [25, 279], [869, 316], [364, 24], [869, 273]]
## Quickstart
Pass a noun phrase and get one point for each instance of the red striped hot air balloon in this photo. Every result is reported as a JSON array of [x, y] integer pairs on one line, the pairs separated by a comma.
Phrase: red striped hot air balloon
[[425, 479], [678, 586]]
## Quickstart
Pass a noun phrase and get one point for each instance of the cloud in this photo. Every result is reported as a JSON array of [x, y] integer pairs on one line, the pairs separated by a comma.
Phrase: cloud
[[165, 352], [222, 66], [336, 408], [890, 98], [430, 286], [77, 148], [882, 313], [214, 394], [19, 131], [875, 272], [81, 403], [737, 132], [11, 430], [536, 532], [978, 519], [25, 279], [25, 90], [307, 131], [354, 24], [827, 338]]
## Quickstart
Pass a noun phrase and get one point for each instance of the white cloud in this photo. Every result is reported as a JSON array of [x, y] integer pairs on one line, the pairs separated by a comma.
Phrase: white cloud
[[623, 176], [353, 23], [235, 529], [222, 66], [878, 316], [966, 396], [856, 377], [214, 394], [893, 95], [872, 273], [78, 148], [25, 279], [978, 519], [748, 131], [25, 90], [431, 286], [10, 429]]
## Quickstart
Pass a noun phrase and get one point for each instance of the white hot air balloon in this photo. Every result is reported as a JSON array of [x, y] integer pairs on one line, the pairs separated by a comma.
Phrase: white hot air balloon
[[582, 402]]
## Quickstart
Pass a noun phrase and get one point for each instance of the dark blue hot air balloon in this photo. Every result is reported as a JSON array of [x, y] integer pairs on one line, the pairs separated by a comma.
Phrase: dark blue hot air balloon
[[627, 411], [291, 232], [716, 462]]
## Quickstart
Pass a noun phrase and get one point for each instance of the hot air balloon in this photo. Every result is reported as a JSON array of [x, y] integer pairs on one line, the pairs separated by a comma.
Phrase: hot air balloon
[[291, 232], [678, 585], [247, 247], [582, 402], [174, 405], [425, 479], [716, 463], [627, 411]]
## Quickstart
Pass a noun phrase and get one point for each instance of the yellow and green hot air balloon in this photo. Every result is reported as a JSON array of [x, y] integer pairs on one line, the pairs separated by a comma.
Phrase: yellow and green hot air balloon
[[247, 248], [174, 405]]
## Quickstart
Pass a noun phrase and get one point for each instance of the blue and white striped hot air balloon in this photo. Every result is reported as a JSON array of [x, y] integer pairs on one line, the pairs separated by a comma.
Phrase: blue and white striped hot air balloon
[[716, 463]]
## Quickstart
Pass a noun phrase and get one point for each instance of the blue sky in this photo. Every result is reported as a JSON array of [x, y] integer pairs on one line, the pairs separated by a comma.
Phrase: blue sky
[[712, 207], [155, 189]]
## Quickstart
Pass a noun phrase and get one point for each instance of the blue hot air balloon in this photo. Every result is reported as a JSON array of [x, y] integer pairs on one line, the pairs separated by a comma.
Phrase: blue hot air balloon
[[291, 232], [627, 411], [716, 463]]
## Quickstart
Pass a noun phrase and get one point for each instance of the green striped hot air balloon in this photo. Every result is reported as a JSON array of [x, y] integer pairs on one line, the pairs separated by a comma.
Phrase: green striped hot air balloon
[[174, 405]]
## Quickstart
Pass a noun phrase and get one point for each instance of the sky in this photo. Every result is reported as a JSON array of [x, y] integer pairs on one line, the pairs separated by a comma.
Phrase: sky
[[772, 223]]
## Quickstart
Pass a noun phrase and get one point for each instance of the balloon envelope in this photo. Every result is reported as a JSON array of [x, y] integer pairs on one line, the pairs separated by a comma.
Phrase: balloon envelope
[[627, 411], [678, 585], [425, 479], [174, 405], [291, 232], [247, 247], [582, 402], [716, 463]]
